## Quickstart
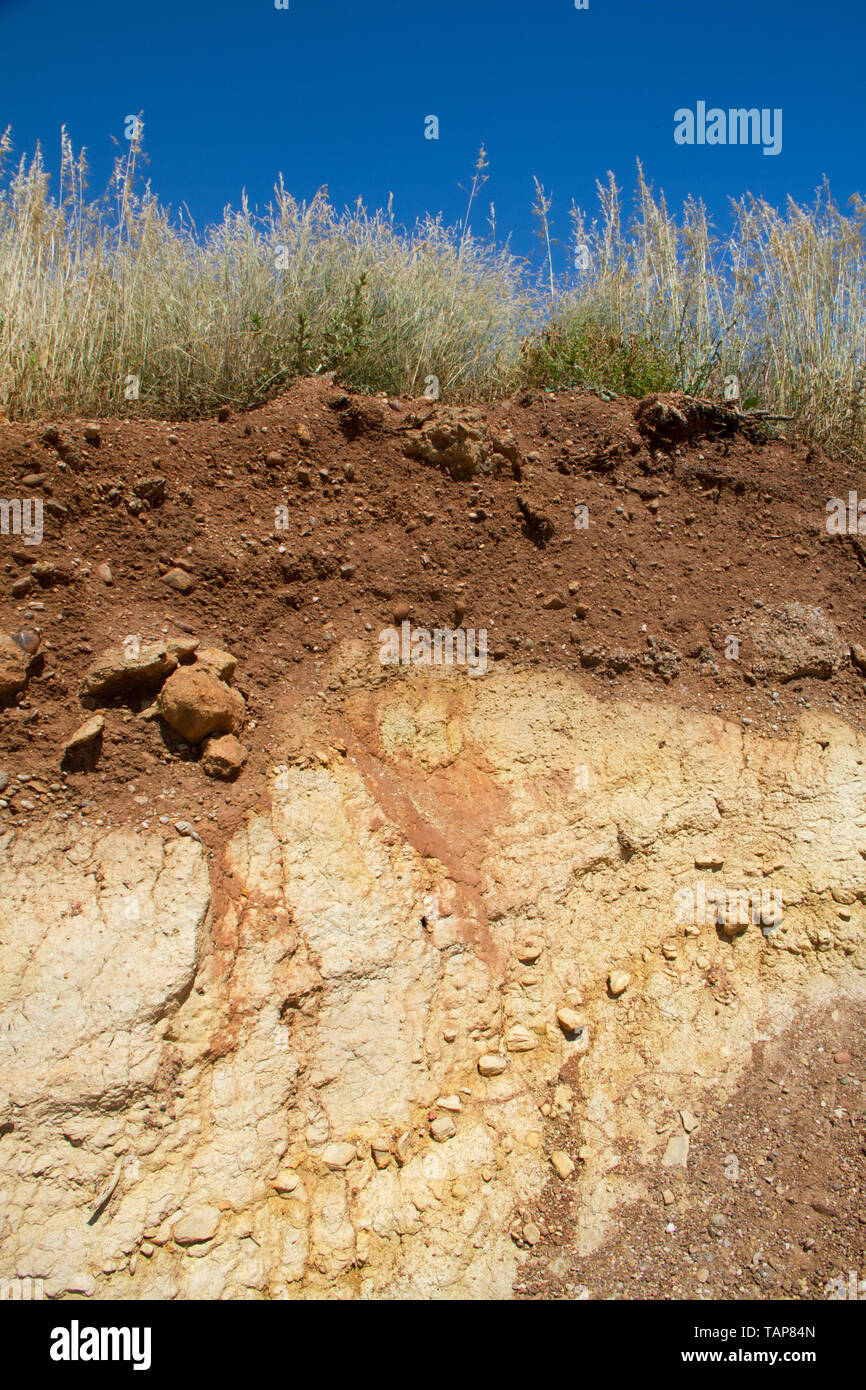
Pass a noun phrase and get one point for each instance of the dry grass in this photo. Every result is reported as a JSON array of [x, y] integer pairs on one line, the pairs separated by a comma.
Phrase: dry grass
[[93, 292], [780, 302]]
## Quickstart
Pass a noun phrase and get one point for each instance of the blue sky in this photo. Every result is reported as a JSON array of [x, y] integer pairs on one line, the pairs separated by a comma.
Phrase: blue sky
[[336, 93]]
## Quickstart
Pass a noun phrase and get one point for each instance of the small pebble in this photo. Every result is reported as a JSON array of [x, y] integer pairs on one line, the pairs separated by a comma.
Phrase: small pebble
[[618, 982]]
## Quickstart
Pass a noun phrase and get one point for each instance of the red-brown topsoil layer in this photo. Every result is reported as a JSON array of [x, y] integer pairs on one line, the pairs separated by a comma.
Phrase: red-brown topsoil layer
[[683, 539]]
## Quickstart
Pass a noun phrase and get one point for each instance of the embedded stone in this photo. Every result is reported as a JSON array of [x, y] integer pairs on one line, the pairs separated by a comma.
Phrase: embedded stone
[[196, 1226], [442, 1128], [618, 982], [338, 1156], [491, 1064], [520, 1039], [563, 1165]]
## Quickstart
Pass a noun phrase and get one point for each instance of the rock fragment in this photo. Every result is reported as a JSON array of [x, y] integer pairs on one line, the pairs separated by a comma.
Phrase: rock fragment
[[563, 1165], [150, 490], [381, 1151], [184, 648], [452, 1103], [538, 526], [15, 665], [337, 1157], [529, 951], [491, 1064], [195, 704], [196, 1226], [732, 920], [217, 662], [82, 747], [121, 671], [179, 580], [676, 1151], [794, 641], [454, 439], [442, 1128], [562, 1098], [569, 1020], [28, 640], [47, 574], [286, 1182], [185, 827], [223, 757]]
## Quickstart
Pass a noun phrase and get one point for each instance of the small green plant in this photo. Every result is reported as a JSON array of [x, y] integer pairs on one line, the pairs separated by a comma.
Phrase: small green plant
[[346, 336], [592, 355], [301, 343]]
